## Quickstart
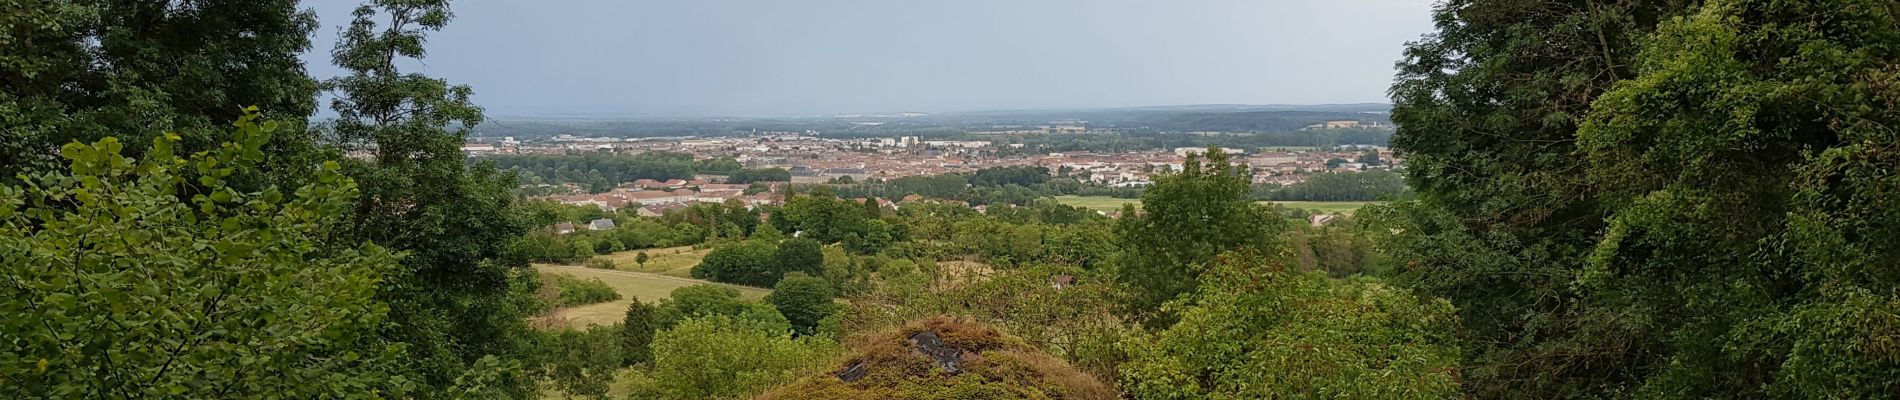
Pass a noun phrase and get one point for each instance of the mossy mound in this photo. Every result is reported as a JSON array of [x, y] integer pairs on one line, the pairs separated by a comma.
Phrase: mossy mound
[[946, 358]]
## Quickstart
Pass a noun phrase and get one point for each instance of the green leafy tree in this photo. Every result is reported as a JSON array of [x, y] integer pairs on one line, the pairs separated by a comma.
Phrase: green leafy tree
[[768, 233], [725, 357], [79, 71], [641, 259], [1258, 330], [156, 278], [452, 303], [872, 236], [804, 300], [1684, 203], [748, 263], [581, 363], [709, 300], [800, 255], [1186, 219], [636, 333]]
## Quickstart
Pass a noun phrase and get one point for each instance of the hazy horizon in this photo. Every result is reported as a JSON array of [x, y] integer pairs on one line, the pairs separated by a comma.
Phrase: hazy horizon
[[773, 59]]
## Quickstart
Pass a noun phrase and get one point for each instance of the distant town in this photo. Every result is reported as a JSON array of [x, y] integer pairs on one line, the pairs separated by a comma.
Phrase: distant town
[[813, 159]]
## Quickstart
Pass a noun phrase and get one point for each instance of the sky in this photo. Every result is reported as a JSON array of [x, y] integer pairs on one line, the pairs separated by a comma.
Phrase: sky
[[821, 57]]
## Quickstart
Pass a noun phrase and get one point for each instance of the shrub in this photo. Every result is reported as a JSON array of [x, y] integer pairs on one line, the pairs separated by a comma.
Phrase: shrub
[[571, 291], [600, 263], [726, 357]]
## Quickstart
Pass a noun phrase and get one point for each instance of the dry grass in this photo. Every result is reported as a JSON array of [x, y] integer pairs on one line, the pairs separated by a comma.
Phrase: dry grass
[[648, 287], [994, 366], [670, 261]]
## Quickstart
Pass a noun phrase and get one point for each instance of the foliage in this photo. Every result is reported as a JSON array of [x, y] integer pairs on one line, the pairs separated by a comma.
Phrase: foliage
[[725, 357], [748, 263], [800, 255], [600, 263], [452, 302], [759, 175], [581, 363], [995, 366], [714, 300], [1343, 186], [636, 333], [156, 278], [1257, 330], [571, 291], [1186, 218], [80, 71], [1020, 176], [596, 172], [1690, 201], [804, 300]]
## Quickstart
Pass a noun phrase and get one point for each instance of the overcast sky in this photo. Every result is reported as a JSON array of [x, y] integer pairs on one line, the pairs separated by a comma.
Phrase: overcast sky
[[781, 57]]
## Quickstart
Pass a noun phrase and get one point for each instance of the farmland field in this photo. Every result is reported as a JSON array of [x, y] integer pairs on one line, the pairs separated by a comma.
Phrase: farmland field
[[649, 287], [1104, 203]]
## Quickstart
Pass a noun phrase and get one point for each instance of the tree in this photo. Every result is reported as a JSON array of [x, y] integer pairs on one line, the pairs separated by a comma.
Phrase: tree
[[117, 286], [1693, 201], [640, 259], [636, 333], [452, 303], [582, 363], [768, 233], [1186, 219], [804, 300], [800, 255], [871, 237], [724, 357], [1333, 163], [710, 300], [748, 263], [1257, 330], [79, 71], [1369, 157]]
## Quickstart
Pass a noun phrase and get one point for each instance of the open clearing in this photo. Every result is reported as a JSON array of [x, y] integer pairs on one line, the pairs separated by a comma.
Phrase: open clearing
[[1104, 203], [670, 261], [649, 287]]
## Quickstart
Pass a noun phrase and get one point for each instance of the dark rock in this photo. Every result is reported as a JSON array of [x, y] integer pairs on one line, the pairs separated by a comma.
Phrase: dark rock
[[930, 344], [853, 373]]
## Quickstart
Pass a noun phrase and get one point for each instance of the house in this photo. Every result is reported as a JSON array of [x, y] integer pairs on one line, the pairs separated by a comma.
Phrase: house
[[600, 224], [563, 228], [1319, 220]]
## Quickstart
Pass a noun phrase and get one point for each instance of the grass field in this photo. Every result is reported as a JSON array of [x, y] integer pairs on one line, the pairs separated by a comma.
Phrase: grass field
[[649, 287], [1104, 203], [1099, 203], [670, 261]]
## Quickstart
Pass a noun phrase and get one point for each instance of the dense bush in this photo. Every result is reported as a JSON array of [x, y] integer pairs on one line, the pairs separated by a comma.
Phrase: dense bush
[[726, 357], [571, 291], [804, 300], [746, 263], [1260, 330]]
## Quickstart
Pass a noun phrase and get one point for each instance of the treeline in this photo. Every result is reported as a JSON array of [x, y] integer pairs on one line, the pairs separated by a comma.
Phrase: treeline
[[759, 175], [1342, 186], [996, 185], [597, 172], [1142, 140]]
